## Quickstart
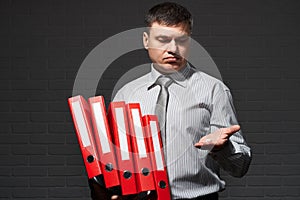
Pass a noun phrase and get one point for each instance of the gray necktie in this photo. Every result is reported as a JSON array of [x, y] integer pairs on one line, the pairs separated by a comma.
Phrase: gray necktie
[[162, 103]]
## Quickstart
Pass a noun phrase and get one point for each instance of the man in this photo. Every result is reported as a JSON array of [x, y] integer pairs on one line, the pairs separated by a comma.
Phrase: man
[[197, 118]]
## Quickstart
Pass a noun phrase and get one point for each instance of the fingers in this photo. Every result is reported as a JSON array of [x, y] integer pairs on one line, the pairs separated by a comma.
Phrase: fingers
[[205, 143], [114, 197], [98, 191], [125, 197], [204, 146], [231, 130], [217, 139]]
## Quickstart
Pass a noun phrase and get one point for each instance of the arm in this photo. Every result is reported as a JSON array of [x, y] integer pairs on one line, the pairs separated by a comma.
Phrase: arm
[[226, 142], [99, 192]]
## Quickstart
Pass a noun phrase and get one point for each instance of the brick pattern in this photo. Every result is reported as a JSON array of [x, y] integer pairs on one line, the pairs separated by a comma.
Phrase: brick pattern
[[255, 44]]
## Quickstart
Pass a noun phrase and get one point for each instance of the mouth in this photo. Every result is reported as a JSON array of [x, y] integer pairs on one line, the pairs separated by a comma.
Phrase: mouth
[[172, 59]]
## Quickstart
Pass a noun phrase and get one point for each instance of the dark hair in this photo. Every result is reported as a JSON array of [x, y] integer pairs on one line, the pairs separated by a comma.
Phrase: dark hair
[[169, 13]]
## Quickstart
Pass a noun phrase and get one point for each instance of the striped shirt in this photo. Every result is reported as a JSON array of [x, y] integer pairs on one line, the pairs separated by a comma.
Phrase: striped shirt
[[198, 105]]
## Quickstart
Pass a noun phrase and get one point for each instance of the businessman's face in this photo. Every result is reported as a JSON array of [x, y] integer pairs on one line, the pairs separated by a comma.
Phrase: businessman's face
[[167, 46]]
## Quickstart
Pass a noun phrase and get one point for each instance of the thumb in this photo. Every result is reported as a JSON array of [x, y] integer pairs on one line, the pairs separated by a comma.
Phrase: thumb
[[231, 130], [115, 197]]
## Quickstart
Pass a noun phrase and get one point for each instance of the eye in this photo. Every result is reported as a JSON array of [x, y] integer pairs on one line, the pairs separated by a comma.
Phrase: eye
[[182, 39], [164, 39]]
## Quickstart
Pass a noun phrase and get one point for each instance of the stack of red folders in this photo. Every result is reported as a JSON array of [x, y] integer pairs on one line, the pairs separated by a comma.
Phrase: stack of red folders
[[122, 146]]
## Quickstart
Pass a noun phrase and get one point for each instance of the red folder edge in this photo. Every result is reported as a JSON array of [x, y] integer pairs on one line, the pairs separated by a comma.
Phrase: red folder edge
[[86, 144], [125, 165], [144, 174], [159, 167], [106, 151]]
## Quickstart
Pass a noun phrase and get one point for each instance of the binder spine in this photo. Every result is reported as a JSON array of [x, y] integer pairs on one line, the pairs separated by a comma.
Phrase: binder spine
[[157, 157], [140, 149], [103, 141], [81, 119], [121, 138]]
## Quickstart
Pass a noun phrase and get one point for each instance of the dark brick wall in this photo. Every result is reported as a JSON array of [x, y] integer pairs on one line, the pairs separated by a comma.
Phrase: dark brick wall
[[255, 44]]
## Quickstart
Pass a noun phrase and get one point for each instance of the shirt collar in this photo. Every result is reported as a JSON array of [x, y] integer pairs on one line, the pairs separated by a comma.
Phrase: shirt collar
[[180, 77]]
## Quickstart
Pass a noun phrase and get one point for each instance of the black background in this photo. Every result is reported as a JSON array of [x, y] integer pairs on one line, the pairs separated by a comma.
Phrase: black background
[[255, 45]]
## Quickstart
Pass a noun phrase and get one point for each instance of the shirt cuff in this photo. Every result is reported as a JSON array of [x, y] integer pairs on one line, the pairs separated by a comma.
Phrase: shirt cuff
[[226, 152]]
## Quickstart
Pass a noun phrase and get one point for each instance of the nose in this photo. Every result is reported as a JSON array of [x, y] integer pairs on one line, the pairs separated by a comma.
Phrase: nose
[[172, 47]]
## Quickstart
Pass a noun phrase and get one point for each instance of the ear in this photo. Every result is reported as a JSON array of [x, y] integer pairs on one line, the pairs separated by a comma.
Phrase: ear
[[145, 40]]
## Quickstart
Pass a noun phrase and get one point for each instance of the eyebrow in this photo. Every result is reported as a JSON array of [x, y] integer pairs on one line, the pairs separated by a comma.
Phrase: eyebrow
[[165, 36]]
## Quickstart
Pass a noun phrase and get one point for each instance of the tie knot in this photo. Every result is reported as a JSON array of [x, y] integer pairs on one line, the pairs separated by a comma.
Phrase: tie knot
[[164, 81]]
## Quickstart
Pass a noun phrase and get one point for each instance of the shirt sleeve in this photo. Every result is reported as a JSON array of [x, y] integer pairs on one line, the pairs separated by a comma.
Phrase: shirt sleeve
[[120, 95], [235, 156]]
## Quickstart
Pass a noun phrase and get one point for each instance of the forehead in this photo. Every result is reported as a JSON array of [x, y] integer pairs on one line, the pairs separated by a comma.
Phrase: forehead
[[170, 31]]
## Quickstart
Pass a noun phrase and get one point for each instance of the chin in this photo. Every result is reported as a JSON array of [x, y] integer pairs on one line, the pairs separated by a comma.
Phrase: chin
[[168, 68], [174, 66]]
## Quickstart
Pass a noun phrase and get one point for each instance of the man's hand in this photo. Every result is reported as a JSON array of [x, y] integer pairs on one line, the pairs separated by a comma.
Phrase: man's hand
[[128, 197], [99, 192], [215, 141], [144, 196]]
